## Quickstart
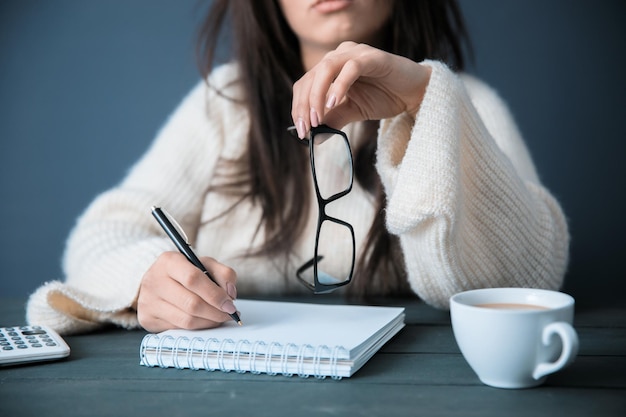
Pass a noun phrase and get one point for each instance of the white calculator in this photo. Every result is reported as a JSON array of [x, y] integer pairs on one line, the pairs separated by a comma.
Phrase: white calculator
[[24, 344]]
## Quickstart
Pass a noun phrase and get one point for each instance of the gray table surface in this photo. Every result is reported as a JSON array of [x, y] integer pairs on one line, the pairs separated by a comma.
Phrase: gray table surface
[[419, 372]]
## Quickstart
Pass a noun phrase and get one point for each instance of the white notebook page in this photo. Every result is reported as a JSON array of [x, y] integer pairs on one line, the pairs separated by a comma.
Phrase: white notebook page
[[302, 324]]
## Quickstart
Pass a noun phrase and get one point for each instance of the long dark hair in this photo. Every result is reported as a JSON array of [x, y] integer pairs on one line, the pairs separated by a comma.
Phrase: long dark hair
[[275, 167]]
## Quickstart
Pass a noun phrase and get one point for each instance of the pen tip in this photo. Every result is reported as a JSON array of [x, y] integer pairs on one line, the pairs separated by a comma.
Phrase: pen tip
[[239, 323]]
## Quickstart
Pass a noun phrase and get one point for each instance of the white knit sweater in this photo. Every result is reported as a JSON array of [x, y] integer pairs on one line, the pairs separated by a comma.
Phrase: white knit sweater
[[462, 191]]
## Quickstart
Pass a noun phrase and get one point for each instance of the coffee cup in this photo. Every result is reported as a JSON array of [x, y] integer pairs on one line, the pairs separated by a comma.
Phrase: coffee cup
[[514, 337]]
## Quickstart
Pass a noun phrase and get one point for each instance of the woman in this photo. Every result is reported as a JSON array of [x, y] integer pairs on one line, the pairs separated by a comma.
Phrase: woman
[[445, 198]]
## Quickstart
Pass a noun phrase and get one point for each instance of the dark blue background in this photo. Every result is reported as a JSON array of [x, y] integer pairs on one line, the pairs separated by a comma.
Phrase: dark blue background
[[85, 85]]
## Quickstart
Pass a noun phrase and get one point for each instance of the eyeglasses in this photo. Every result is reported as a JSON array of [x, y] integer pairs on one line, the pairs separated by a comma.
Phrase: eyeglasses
[[333, 173]]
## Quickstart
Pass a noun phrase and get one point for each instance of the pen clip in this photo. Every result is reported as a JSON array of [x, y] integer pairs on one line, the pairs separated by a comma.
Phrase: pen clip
[[176, 225]]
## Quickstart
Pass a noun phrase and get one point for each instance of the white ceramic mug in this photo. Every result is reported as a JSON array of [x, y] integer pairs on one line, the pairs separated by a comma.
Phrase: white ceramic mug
[[520, 337]]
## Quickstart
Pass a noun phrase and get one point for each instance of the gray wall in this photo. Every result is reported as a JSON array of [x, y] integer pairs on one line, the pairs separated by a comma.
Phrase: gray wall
[[84, 86]]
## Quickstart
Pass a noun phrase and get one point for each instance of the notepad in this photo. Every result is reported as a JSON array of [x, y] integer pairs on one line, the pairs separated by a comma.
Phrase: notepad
[[280, 338]]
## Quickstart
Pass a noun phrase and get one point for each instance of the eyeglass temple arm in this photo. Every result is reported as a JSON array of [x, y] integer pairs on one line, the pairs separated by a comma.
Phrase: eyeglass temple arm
[[293, 134], [310, 263]]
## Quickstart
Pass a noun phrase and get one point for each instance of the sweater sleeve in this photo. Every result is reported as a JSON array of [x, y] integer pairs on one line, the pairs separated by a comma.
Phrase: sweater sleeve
[[464, 197], [116, 239]]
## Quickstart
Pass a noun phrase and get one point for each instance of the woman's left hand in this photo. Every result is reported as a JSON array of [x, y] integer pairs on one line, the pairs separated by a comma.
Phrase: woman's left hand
[[357, 82]]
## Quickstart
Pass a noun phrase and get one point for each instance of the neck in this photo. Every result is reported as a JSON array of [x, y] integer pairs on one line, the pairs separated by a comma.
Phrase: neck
[[312, 54]]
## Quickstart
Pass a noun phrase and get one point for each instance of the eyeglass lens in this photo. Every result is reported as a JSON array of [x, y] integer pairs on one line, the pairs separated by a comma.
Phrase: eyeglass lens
[[334, 255], [332, 161]]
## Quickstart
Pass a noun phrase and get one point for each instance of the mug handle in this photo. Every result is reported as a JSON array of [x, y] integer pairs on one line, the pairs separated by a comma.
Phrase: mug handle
[[570, 348]]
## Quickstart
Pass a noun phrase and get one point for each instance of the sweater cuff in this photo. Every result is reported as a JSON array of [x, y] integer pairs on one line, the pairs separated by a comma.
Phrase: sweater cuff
[[70, 311], [416, 157]]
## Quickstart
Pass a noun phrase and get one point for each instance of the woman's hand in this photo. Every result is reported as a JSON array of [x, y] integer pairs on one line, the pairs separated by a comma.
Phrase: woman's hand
[[357, 82], [176, 294]]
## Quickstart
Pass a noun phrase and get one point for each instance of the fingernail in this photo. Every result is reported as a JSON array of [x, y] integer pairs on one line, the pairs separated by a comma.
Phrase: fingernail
[[231, 290], [228, 307], [301, 128], [314, 120], [331, 101]]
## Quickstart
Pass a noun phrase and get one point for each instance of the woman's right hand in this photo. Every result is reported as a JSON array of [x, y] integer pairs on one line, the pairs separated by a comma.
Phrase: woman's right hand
[[176, 294]]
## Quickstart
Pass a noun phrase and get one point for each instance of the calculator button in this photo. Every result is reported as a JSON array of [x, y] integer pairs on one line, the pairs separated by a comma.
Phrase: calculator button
[[32, 332], [7, 347], [22, 347], [36, 345]]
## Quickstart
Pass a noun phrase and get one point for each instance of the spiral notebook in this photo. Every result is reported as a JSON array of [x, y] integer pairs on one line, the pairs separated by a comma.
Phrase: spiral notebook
[[280, 338]]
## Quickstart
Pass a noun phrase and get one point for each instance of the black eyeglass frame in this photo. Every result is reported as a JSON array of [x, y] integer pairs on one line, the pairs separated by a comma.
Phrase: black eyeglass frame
[[318, 287]]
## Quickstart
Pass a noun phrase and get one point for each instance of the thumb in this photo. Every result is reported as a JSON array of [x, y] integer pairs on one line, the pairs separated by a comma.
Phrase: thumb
[[342, 114]]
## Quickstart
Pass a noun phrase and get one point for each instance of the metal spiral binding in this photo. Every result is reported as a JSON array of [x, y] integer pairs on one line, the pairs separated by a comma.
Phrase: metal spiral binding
[[212, 354]]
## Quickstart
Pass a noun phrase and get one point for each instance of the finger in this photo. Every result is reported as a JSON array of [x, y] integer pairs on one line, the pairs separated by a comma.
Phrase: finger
[[225, 276], [300, 110], [343, 114], [171, 317], [194, 280], [325, 72], [192, 306], [346, 46], [347, 76], [153, 324]]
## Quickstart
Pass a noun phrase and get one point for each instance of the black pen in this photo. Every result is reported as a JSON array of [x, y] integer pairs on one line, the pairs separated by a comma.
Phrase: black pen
[[183, 247]]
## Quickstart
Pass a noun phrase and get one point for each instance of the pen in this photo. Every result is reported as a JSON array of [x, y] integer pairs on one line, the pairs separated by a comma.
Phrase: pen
[[183, 247]]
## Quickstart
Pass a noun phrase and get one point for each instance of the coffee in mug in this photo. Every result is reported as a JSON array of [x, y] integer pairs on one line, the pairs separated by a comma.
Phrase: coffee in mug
[[514, 337], [512, 306]]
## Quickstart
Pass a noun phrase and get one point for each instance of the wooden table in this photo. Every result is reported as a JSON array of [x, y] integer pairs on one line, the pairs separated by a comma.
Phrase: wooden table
[[419, 372]]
